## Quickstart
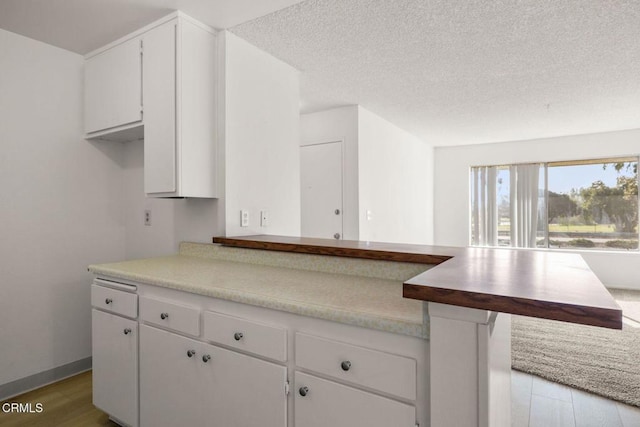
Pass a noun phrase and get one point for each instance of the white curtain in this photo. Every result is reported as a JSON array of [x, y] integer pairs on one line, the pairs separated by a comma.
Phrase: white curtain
[[484, 210], [524, 180]]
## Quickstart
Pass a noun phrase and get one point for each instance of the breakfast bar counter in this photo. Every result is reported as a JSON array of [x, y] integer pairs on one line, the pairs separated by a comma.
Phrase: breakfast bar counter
[[410, 334], [548, 285], [469, 296]]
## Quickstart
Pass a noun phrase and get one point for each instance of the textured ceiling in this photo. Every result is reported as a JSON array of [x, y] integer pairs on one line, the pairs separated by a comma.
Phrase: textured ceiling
[[84, 25], [466, 71]]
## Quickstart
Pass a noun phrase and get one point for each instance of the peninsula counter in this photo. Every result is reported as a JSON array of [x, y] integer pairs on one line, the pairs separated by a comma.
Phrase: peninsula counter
[[468, 296]]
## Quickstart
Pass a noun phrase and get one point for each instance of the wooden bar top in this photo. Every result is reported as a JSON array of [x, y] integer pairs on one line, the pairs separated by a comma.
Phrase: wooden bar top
[[548, 285]]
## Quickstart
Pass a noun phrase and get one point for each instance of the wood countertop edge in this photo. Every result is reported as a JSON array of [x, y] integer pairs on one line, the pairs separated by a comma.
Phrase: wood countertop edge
[[572, 313], [591, 315], [343, 251]]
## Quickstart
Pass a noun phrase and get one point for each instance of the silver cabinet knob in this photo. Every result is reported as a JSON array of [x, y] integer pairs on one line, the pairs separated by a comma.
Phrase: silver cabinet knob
[[108, 301], [346, 365], [127, 331], [206, 358], [191, 353], [303, 391], [238, 336], [336, 236], [164, 315]]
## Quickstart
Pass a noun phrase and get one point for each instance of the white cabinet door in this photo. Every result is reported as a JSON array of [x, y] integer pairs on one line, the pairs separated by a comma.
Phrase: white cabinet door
[[113, 87], [115, 366], [171, 386], [248, 392], [326, 403], [159, 77], [212, 387]]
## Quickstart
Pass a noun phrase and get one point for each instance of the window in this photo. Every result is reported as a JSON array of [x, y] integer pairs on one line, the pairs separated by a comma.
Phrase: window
[[586, 204]]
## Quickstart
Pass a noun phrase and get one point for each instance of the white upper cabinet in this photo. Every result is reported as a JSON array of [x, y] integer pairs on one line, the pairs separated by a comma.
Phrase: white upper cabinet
[[175, 100], [113, 88]]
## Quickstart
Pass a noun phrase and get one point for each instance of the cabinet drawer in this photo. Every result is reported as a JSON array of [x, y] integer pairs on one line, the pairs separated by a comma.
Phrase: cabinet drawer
[[181, 318], [114, 301], [258, 338], [375, 369], [321, 403]]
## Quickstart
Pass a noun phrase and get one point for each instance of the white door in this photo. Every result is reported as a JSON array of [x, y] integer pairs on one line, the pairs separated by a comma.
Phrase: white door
[[321, 187], [115, 366], [322, 403]]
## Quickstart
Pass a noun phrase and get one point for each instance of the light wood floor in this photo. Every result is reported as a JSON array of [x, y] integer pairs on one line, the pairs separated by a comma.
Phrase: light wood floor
[[66, 403], [535, 402]]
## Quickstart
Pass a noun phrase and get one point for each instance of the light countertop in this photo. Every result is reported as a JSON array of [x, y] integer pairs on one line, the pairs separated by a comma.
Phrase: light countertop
[[370, 302]]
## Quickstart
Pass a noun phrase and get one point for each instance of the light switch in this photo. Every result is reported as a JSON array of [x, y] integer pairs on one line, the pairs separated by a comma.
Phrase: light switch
[[244, 218]]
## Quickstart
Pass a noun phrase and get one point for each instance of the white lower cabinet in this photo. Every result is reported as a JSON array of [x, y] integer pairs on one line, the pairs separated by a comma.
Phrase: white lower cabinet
[[322, 403], [187, 382], [190, 360], [115, 366]]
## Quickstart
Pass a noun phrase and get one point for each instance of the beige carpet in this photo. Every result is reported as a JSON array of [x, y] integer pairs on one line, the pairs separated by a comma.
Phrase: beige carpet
[[598, 360]]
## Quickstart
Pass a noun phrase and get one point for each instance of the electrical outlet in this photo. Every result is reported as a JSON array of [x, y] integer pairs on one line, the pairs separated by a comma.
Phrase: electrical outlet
[[244, 218], [264, 218], [147, 217]]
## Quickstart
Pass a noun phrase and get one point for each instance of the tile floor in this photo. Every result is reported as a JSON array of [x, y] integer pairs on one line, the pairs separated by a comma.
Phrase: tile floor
[[536, 402]]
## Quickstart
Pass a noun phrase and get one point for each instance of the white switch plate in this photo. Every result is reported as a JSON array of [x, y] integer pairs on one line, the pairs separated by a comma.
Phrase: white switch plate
[[264, 218], [244, 218]]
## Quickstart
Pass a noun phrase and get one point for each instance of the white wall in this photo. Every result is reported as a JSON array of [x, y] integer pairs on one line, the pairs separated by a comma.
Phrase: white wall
[[67, 202], [60, 209], [144, 241], [262, 160], [396, 183], [452, 188], [339, 124], [172, 220], [386, 171]]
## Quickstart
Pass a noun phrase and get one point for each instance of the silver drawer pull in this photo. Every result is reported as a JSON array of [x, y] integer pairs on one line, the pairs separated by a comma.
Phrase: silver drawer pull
[[238, 336], [346, 365], [191, 353], [206, 358], [108, 301], [164, 315], [127, 331], [303, 391]]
